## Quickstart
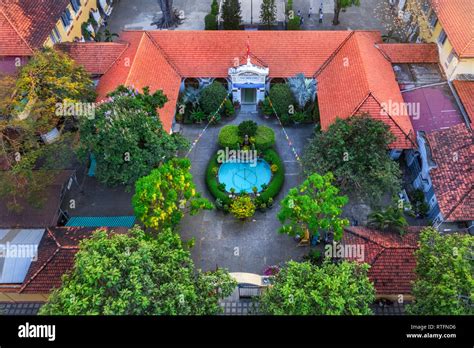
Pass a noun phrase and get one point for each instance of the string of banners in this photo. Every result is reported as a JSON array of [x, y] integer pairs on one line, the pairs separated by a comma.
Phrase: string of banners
[[290, 143], [201, 133]]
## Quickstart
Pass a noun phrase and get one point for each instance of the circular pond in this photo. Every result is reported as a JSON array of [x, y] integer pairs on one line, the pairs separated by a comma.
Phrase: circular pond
[[245, 176]]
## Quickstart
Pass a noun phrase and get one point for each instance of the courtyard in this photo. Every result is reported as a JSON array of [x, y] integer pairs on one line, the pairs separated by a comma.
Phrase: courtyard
[[220, 239]]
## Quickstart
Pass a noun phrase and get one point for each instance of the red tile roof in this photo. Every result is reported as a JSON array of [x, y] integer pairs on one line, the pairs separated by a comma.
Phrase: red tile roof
[[390, 256], [456, 17], [56, 254], [96, 57], [162, 59], [360, 79], [465, 90], [32, 22], [410, 53], [453, 179]]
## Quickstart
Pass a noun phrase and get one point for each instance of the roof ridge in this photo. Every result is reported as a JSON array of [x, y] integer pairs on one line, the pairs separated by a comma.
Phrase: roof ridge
[[333, 55], [16, 31], [378, 242], [163, 53], [463, 197], [127, 45], [134, 60]]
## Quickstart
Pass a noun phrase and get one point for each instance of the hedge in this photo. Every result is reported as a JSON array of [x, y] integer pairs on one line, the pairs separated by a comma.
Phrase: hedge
[[274, 187], [265, 138], [212, 183], [229, 137]]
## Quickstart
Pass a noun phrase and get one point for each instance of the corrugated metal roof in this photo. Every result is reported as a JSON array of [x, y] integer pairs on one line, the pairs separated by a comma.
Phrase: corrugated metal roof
[[17, 249], [101, 221]]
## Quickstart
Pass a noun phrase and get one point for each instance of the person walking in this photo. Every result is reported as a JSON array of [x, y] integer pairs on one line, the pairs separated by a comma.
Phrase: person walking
[[309, 12], [321, 15]]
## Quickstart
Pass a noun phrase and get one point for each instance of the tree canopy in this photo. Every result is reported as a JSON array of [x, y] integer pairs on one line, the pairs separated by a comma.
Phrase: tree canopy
[[231, 14], [329, 289], [314, 206], [356, 151], [127, 137], [132, 274], [444, 283], [162, 197], [268, 12]]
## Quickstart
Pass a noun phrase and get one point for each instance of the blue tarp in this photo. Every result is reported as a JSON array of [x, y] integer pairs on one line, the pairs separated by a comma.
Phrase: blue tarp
[[101, 221], [247, 85]]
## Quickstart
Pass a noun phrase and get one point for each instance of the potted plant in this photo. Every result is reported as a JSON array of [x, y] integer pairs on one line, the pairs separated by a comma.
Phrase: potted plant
[[270, 203]]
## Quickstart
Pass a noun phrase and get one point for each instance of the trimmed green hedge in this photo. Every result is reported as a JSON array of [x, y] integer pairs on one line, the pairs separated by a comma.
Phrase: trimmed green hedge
[[265, 138], [212, 183], [229, 137], [274, 187]]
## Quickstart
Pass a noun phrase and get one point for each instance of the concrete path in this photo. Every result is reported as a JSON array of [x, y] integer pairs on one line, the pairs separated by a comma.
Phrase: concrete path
[[221, 240]]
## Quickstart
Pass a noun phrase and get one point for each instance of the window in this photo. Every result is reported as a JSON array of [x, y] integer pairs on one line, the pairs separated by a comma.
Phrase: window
[[66, 18], [442, 37], [55, 36], [452, 54], [76, 5], [433, 20]]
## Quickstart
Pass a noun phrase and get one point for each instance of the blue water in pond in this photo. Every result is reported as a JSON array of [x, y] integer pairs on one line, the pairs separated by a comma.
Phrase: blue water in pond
[[245, 176]]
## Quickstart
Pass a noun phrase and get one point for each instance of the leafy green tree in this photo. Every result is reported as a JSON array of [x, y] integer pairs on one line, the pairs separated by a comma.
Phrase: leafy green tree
[[131, 274], [281, 98], [215, 8], [268, 12], [127, 137], [231, 14], [331, 289], [444, 283], [391, 219], [29, 107], [339, 5], [312, 207], [356, 151], [163, 197], [211, 98], [210, 22]]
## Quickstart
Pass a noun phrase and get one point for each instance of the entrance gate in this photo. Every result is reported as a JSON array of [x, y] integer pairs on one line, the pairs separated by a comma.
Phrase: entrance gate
[[249, 95]]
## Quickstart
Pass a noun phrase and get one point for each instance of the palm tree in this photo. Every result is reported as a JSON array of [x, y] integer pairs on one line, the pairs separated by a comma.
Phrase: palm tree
[[191, 96], [303, 89], [390, 219]]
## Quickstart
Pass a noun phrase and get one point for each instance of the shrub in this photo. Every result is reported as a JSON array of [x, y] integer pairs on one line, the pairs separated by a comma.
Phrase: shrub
[[229, 137], [212, 184], [281, 97], [276, 184], [266, 108], [214, 8], [229, 108], [294, 23], [211, 97], [242, 207], [264, 138], [210, 22], [198, 116], [247, 128]]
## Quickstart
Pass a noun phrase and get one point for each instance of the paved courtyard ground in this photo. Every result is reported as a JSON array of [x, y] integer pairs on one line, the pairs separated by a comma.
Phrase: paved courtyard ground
[[223, 241]]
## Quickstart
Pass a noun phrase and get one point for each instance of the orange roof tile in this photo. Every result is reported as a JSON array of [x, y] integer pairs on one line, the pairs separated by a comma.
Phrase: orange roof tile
[[359, 79], [33, 21], [11, 42], [390, 256], [453, 178], [410, 53], [465, 91], [456, 17], [96, 57]]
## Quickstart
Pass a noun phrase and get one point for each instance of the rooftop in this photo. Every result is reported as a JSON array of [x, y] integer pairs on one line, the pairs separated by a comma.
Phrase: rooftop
[[453, 150], [465, 90], [390, 256], [456, 19]]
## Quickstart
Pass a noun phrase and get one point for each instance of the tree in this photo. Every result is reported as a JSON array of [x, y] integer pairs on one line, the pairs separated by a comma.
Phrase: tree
[[107, 36], [248, 127], [163, 197], [331, 289], [313, 207], [339, 5], [131, 274], [444, 282], [215, 8], [303, 89], [31, 106], [170, 16], [127, 137], [405, 25], [210, 22], [268, 12], [231, 14], [356, 151], [212, 97], [391, 219], [281, 98]]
